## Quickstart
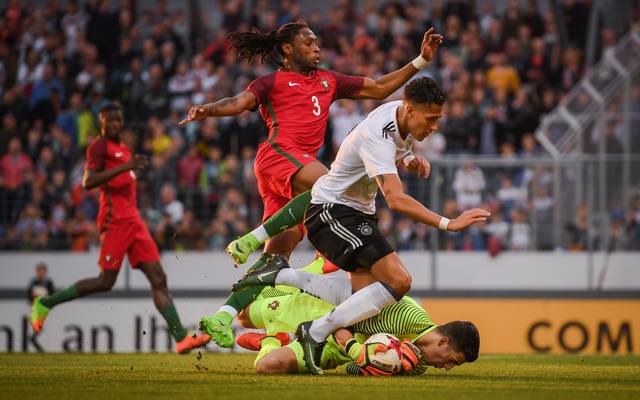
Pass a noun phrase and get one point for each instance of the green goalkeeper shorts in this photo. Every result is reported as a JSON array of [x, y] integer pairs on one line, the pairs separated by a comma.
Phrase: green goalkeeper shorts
[[285, 313]]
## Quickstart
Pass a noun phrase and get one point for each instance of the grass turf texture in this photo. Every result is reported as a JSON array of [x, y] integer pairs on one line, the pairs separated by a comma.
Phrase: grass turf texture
[[230, 376]]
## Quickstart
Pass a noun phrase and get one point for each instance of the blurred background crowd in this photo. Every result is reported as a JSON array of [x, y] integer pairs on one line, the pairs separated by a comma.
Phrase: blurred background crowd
[[501, 67]]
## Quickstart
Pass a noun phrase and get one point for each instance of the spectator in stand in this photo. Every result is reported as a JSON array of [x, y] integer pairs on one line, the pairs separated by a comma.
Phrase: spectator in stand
[[520, 231], [468, 184], [14, 166], [32, 228], [498, 231], [170, 204], [579, 230]]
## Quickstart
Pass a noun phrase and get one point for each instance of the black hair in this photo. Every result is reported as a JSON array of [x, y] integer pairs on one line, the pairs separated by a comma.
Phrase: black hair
[[266, 45], [112, 106], [424, 90], [463, 337]]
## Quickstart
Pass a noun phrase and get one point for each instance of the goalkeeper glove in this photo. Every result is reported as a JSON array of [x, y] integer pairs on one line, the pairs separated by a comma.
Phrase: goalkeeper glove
[[360, 354], [411, 355]]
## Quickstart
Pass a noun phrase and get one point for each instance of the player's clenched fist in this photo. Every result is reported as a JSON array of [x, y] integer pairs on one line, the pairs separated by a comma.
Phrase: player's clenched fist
[[196, 113]]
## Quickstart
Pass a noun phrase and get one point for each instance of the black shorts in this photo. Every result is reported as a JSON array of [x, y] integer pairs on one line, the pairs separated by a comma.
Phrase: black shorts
[[347, 237]]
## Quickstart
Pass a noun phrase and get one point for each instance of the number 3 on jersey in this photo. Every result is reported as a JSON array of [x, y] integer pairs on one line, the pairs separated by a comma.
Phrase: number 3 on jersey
[[316, 106]]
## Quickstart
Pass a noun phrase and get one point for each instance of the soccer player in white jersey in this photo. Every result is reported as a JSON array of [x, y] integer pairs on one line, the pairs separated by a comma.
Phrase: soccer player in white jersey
[[341, 220]]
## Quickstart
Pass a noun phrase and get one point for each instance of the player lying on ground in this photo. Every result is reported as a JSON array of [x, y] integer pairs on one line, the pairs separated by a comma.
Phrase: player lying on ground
[[279, 311], [341, 221], [111, 166]]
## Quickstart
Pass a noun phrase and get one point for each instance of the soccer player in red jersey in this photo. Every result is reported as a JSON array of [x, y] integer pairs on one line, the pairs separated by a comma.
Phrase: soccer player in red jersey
[[110, 166], [294, 102]]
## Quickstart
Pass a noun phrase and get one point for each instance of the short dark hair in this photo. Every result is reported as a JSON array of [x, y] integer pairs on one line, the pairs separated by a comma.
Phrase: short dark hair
[[463, 337], [424, 90], [112, 106]]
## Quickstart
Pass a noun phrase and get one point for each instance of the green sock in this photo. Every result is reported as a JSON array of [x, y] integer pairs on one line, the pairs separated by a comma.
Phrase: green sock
[[60, 296], [244, 297], [289, 216], [170, 315], [267, 345]]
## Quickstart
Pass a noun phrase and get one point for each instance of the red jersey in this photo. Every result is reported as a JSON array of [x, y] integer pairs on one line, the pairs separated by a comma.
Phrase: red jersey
[[296, 107], [118, 196]]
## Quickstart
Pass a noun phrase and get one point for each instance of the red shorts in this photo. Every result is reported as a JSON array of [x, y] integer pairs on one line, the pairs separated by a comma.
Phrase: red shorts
[[130, 237], [274, 169]]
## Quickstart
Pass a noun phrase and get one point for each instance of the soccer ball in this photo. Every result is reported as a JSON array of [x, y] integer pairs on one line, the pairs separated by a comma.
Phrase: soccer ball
[[390, 360]]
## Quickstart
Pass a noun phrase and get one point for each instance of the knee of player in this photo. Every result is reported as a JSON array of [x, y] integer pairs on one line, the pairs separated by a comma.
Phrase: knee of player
[[158, 279], [106, 285], [243, 318], [269, 366], [401, 283]]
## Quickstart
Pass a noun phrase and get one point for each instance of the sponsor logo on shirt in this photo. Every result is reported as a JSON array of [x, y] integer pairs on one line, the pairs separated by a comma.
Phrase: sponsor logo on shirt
[[119, 154], [293, 83], [306, 156]]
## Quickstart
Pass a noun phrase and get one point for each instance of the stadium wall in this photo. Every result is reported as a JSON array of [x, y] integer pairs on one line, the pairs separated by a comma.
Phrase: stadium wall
[[454, 271], [521, 302]]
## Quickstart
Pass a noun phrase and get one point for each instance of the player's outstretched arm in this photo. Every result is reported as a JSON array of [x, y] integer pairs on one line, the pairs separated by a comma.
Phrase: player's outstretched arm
[[387, 84], [93, 178], [391, 188], [222, 108]]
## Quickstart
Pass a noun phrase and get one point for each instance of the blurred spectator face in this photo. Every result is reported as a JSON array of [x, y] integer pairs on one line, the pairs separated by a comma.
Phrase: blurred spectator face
[[48, 72], [538, 46], [518, 217], [507, 149], [168, 50], [167, 193], [41, 271], [215, 154], [183, 68], [31, 211], [457, 109], [155, 72], [46, 155], [58, 178], [14, 146], [149, 48], [477, 97], [125, 18], [9, 122], [528, 143], [75, 102]]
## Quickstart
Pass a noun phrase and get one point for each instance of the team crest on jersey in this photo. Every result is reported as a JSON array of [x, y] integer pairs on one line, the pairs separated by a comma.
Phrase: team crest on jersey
[[365, 229], [274, 305], [324, 84]]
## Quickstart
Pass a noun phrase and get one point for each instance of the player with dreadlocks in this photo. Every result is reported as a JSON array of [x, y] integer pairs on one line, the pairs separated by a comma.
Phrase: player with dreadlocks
[[294, 102]]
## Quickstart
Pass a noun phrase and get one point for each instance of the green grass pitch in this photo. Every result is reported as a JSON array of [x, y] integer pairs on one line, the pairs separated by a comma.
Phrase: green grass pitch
[[230, 376]]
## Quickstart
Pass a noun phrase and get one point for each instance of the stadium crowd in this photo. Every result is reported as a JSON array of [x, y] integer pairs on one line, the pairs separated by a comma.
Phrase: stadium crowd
[[59, 65]]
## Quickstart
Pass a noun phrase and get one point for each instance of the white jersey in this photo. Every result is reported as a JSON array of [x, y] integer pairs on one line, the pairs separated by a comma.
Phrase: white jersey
[[372, 148]]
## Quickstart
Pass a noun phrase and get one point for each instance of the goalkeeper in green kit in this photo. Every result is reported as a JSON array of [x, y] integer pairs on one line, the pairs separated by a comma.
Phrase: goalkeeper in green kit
[[280, 309]]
